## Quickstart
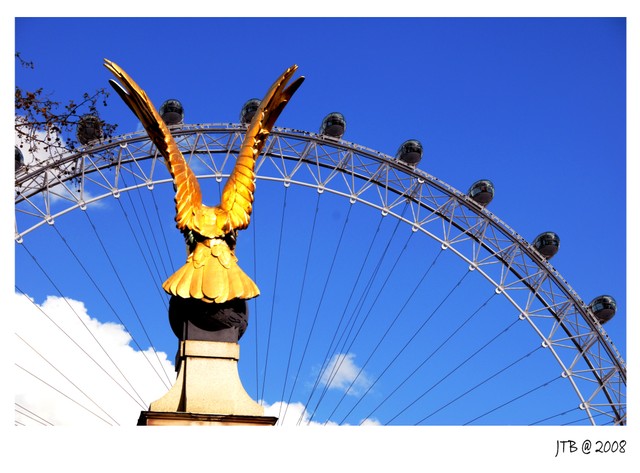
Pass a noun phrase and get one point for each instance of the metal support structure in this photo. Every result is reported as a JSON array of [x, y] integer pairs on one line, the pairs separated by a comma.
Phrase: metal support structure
[[564, 322]]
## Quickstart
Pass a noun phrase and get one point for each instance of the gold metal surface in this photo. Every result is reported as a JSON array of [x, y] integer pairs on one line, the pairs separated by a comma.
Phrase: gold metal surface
[[211, 272]]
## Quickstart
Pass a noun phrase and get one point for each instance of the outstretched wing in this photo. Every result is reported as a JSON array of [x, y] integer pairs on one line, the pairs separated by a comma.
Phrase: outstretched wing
[[188, 196], [237, 195]]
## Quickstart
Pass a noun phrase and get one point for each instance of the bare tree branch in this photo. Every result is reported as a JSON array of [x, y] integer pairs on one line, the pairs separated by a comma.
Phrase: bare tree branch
[[42, 123]]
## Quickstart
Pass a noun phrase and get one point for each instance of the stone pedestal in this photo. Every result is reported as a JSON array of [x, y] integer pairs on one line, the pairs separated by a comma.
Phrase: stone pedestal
[[207, 391], [190, 419]]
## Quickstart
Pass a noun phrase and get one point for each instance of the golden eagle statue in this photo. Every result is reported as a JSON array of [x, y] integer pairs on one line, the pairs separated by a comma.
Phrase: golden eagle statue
[[211, 273]]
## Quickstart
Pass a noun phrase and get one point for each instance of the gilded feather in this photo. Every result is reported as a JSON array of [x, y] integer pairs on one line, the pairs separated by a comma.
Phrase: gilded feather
[[211, 272]]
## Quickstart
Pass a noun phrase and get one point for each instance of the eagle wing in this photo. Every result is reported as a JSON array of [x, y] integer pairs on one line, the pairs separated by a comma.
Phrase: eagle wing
[[188, 196], [235, 208], [237, 194]]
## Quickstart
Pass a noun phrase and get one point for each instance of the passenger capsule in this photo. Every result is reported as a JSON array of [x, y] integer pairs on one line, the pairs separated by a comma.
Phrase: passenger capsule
[[172, 112], [482, 191], [547, 244], [89, 129], [604, 308], [249, 109], [410, 152], [19, 159], [333, 125]]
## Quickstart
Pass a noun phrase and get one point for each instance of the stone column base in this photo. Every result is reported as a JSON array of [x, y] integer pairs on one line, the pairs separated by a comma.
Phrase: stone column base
[[207, 391], [190, 419]]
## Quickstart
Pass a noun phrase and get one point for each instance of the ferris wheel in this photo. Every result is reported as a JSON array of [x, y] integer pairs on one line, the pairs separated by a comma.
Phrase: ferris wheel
[[389, 296]]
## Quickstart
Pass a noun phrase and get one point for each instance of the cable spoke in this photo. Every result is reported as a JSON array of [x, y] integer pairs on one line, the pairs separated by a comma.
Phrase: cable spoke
[[83, 350], [450, 372], [275, 287], [483, 382], [543, 385], [357, 313], [106, 299], [128, 296], [63, 394], [67, 378], [304, 279]]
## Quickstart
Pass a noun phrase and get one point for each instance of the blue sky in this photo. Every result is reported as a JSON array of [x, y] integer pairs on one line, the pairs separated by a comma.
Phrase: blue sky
[[536, 105]]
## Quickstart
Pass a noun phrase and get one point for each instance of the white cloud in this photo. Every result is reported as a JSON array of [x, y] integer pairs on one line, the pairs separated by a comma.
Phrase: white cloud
[[295, 414], [290, 415], [370, 422], [342, 373], [49, 335], [39, 154], [68, 190], [43, 341]]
